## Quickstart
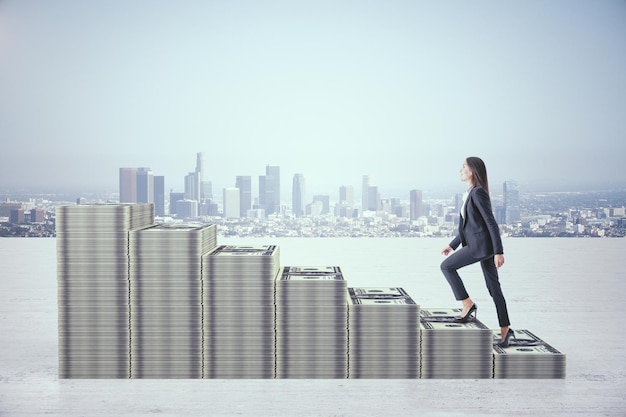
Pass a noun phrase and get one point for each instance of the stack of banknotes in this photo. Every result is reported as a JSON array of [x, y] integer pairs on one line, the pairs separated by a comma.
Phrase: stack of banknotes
[[94, 289], [527, 357], [166, 299], [454, 350], [238, 306], [311, 323], [383, 333]]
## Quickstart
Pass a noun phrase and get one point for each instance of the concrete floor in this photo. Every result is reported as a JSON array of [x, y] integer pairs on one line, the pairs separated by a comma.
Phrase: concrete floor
[[581, 320]]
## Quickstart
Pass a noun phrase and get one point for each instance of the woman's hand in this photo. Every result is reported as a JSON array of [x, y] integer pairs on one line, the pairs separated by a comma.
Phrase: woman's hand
[[446, 250], [499, 260]]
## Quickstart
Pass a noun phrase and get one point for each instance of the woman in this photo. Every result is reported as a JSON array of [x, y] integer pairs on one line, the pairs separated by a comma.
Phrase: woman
[[479, 236]]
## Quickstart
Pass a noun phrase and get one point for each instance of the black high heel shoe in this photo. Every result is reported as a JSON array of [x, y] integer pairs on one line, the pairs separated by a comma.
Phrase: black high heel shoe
[[465, 318], [507, 338]]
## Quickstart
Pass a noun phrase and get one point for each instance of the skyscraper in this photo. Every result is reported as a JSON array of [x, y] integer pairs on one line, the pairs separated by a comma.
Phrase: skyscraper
[[231, 203], [417, 209], [174, 199], [136, 185], [159, 196], [244, 184], [17, 216], [512, 213], [206, 190], [346, 195], [297, 195], [269, 189], [186, 209], [373, 199], [315, 208], [261, 204], [345, 208], [199, 176], [145, 185], [128, 185], [325, 200], [200, 166], [194, 180], [192, 190], [365, 193]]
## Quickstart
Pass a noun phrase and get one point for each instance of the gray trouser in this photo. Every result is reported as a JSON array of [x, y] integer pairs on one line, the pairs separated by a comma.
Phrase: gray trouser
[[462, 257]]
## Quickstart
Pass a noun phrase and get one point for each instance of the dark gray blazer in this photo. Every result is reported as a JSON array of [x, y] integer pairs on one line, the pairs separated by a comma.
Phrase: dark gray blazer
[[478, 230]]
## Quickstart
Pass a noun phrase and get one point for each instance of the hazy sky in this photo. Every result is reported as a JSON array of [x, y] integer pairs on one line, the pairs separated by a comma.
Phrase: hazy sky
[[399, 90]]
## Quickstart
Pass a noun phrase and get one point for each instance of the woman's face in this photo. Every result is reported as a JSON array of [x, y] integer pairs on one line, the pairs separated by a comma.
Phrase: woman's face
[[466, 174]]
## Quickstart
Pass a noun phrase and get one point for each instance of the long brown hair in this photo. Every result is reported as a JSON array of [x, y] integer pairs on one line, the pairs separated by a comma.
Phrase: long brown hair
[[479, 171]]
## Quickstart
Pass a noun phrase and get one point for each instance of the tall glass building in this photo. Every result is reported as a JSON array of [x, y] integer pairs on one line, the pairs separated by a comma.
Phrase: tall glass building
[[159, 195], [244, 184], [417, 208], [145, 185], [128, 185], [365, 192], [232, 203], [510, 191], [269, 189], [346, 194], [297, 195]]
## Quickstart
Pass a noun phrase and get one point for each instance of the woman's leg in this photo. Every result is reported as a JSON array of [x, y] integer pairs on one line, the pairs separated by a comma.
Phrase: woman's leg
[[457, 260], [493, 285]]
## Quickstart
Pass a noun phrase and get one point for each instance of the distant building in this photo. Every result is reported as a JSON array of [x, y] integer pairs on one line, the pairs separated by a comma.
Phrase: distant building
[[174, 199], [315, 208], [6, 208], [617, 211], [365, 192], [128, 185], [244, 184], [159, 196], [256, 213], [416, 204], [206, 190], [145, 186], [37, 215], [325, 200], [500, 215], [231, 203], [208, 208], [137, 186], [397, 207], [192, 187], [373, 199], [186, 209], [401, 211], [346, 195], [200, 176], [345, 208], [269, 189], [297, 195], [512, 213], [194, 180], [17, 216]]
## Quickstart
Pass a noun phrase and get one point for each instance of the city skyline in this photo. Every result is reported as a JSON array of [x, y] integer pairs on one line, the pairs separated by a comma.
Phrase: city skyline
[[138, 185], [401, 91], [252, 194]]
